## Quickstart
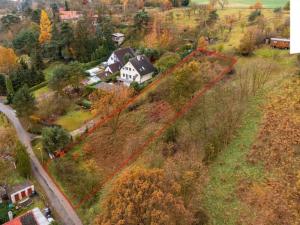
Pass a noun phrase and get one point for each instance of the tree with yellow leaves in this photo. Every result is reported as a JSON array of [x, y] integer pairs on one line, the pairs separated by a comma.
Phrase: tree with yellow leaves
[[45, 28], [202, 43], [144, 196], [8, 60]]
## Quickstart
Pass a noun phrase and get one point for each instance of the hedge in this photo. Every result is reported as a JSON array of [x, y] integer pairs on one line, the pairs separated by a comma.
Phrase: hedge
[[38, 86]]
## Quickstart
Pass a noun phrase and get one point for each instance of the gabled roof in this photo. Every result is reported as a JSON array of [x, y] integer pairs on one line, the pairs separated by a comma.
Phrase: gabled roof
[[19, 187], [122, 52], [142, 64], [33, 217], [115, 67], [118, 35]]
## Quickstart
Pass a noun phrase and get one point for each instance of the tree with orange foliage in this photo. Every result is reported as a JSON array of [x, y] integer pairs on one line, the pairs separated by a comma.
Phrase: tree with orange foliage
[[105, 103], [45, 28], [202, 43], [8, 60], [144, 196]]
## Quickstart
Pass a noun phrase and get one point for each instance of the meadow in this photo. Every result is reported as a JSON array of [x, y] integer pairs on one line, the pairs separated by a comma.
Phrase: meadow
[[247, 3]]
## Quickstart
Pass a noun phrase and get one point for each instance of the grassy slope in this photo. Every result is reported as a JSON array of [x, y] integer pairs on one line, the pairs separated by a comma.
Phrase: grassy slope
[[220, 200], [247, 3]]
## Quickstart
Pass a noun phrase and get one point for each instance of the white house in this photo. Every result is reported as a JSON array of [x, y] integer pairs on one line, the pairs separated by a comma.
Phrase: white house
[[138, 69], [120, 56], [118, 38], [18, 192]]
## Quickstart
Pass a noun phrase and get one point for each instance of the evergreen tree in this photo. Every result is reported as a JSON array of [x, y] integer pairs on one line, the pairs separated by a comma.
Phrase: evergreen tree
[[36, 16], [2, 85], [185, 2], [24, 75], [67, 8], [85, 41], [55, 138], [9, 90], [24, 102], [36, 59], [22, 161]]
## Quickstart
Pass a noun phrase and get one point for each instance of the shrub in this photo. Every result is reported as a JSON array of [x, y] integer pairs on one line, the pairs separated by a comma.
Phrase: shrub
[[55, 138], [252, 17], [168, 60]]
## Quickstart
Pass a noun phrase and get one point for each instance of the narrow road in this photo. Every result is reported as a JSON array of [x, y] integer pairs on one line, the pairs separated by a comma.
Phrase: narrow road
[[58, 202]]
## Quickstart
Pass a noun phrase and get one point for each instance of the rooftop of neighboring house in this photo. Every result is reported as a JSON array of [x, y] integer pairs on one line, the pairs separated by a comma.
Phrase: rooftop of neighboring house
[[115, 67], [122, 52], [69, 15], [142, 64], [33, 217], [18, 187], [118, 35]]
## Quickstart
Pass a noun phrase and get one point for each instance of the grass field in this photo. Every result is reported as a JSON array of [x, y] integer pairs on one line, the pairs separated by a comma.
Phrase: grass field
[[220, 198], [247, 3]]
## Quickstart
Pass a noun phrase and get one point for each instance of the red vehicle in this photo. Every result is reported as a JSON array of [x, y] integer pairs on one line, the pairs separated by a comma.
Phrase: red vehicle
[[282, 43]]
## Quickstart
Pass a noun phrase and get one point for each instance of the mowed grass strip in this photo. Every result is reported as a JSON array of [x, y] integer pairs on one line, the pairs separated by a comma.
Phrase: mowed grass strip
[[220, 198]]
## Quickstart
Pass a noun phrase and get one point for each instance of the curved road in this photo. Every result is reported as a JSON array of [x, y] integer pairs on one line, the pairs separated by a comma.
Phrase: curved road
[[64, 210]]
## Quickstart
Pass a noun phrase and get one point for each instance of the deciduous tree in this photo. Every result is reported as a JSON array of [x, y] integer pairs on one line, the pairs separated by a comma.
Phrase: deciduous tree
[[45, 28], [8, 60], [143, 196], [104, 103]]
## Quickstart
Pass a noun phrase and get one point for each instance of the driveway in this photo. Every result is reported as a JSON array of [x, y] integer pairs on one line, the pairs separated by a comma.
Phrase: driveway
[[58, 202]]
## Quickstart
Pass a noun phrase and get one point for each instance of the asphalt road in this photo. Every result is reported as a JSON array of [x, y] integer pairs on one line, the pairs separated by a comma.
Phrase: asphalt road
[[58, 202]]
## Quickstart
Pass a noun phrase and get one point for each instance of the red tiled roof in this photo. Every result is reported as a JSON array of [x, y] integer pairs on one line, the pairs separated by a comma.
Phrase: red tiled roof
[[15, 221]]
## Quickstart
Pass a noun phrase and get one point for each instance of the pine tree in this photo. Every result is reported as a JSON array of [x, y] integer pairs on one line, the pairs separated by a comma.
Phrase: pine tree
[[22, 161], [9, 90], [24, 102], [45, 28]]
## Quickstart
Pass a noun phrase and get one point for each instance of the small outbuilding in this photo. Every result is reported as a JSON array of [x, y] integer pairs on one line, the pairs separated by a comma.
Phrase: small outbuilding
[[118, 38], [21, 191]]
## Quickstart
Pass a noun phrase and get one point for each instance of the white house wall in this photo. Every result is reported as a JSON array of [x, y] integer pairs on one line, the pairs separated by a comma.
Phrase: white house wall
[[12, 196], [146, 77], [131, 72], [112, 59]]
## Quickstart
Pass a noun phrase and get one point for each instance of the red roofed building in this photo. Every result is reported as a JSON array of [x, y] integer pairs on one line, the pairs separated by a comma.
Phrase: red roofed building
[[69, 15], [33, 217]]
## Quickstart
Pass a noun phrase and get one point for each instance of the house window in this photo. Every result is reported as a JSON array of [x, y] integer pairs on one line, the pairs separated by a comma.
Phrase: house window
[[123, 75], [17, 198], [23, 194], [129, 76]]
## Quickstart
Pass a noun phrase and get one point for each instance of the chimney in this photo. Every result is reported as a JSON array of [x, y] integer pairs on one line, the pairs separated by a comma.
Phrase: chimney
[[139, 58]]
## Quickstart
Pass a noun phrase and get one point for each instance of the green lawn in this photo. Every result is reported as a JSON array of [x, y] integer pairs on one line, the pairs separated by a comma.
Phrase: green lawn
[[49, 70], [41, 91], [247, 3], [74, 119], [220, 199]]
